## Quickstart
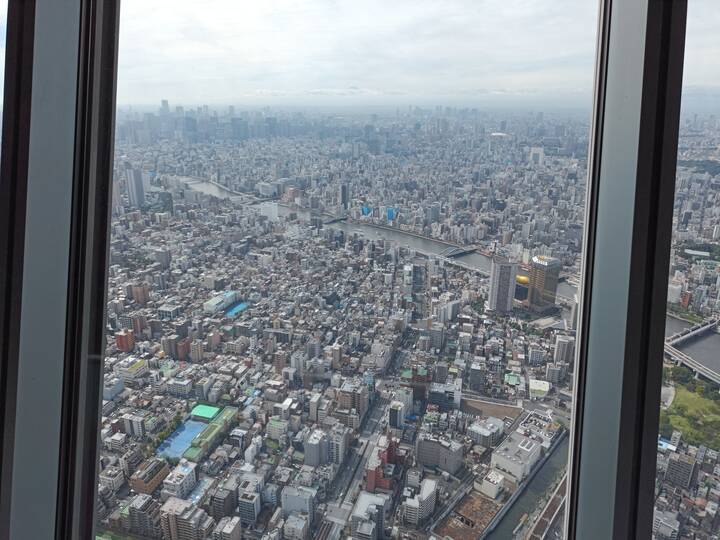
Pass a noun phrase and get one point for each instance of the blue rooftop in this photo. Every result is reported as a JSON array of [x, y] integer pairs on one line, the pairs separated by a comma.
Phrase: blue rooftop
[[237, 308], [179, 440]]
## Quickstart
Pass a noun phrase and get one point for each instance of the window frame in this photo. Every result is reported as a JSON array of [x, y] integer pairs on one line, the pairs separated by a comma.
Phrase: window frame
[[632, 170], [58, 121], [613, 442]]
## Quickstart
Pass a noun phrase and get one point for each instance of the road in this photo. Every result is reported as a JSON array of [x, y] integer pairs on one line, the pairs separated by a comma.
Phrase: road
[[331, 529], [347, 485]]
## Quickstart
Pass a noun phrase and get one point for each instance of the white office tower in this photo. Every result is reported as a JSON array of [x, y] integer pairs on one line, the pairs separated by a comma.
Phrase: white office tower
[[502, 286], [135, 188], [181, 481], [338, 443], [299, 499], [297, 527], [316, 448], [421, 506]]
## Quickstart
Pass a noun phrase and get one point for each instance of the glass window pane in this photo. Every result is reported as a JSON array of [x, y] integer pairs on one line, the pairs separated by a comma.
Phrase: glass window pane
[[688, 476], [344, 268]]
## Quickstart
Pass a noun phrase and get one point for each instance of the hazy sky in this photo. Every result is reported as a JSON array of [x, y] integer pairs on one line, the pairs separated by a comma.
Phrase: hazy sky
[[353, 51], [375, 51], [358, 52]]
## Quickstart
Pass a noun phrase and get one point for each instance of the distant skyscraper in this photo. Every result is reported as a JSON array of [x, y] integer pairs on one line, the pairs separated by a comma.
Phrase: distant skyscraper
[[502, 285], [345, 195], [135, 188], [537, 156], [116, 200], [522, 284], [544, 276]]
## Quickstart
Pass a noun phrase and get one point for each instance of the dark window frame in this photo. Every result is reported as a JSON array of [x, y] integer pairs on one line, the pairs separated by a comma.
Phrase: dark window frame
[[58, 121], [610, 494], [632, 171]]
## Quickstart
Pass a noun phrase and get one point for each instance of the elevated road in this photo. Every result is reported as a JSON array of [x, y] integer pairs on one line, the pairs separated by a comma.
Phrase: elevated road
[[679, 357], [457, 251], [693, 331], [682, 358]]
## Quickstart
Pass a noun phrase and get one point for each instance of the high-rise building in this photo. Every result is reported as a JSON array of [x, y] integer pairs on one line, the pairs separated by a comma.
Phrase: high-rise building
[[516, 456], [397, 414], [666, 525], [421, 506], [298, 499], [125, 340], [297, 527], [316, 448], [182, 520], [224, 499], [149, 475], [367, 520], [338, 443], [228, 528], [564, 349], [248, 506], [140, 292], [437, 451], [313, 406], [344, 195], [487, 432], [353, 395], [144, 516], [502, 285], [680, 470], [180, 482], [477, 376], [544, 276], [135, 188]]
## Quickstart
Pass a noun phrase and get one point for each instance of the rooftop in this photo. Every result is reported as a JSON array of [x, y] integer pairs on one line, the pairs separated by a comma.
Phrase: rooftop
[[207, 412]]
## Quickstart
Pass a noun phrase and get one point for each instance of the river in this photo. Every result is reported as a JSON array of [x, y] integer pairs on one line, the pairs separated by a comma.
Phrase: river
[[540, 484], [705, 349], [673, 325], [398, 237]]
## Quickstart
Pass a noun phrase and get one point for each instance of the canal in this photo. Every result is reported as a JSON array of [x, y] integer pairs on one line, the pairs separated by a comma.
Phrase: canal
[[528, 502]]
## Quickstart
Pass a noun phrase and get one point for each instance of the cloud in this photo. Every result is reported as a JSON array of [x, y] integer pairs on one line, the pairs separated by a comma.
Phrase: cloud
[[229, 51], [356, 51]]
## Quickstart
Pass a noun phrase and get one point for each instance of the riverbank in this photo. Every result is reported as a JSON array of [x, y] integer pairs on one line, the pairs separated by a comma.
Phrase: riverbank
[[527, 497], [475, 261]]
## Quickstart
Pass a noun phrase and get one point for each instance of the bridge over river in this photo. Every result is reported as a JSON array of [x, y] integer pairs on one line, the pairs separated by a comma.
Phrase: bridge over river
[[701, 364]]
